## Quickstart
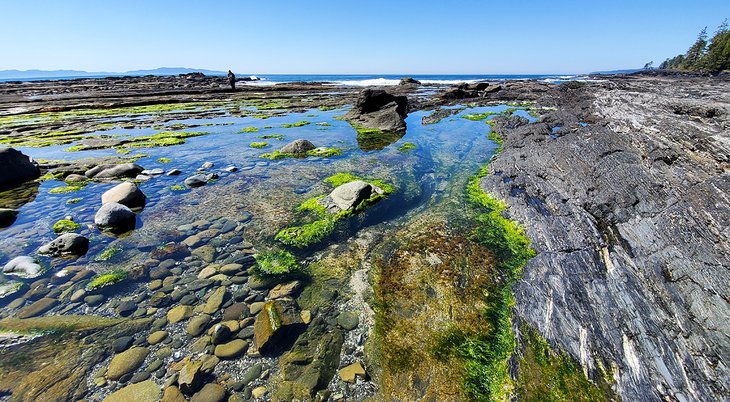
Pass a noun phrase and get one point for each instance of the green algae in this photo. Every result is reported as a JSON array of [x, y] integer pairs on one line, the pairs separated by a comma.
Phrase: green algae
[[276, 264], [65, 225], [261, 144], [164, 160], [164, 139], [66, 189], [74, 201], [178, 187], [321, 152], [407, 147], [249, 130], [485, 354], [51, 176], [297, 124], [547, 374], [107, 279], [272, 137], [372, 139], [108, 253], [308, 234], [478, 116]]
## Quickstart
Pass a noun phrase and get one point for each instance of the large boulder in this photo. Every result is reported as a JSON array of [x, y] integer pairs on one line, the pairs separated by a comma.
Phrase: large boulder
[[409, 81], [16, 168], [299, 146], [66, 244], [350, 195], [114, 171], [115, 217], [126, 194], [24, 267], [274, 321], [379, 110]]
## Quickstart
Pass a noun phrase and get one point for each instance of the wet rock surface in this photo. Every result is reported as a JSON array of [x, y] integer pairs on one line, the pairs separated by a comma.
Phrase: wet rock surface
[[17, 168], [380, 110], [623, 191]]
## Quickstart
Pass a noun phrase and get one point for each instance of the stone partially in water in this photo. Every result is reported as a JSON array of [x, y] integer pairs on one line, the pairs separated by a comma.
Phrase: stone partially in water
[[126, 194], [114, 171], [17, 168], [126, 362], [275, 318], [145, 391], [350, 195], [11, 288], [24, 267], [115, 216], [66, 244], [299, 146]]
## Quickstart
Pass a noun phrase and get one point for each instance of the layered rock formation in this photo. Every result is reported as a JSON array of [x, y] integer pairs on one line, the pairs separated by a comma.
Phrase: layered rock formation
[[624, 193]]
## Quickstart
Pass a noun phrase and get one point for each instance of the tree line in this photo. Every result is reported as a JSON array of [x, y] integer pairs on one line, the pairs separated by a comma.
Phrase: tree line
[[704, 56]]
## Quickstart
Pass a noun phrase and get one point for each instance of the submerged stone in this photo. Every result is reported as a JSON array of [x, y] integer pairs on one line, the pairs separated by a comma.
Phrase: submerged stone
[[126, 362], [145, 391], [274, 320]]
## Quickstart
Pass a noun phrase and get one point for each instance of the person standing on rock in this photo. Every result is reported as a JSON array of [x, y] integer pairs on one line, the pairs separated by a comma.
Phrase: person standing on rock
[[232, 80]]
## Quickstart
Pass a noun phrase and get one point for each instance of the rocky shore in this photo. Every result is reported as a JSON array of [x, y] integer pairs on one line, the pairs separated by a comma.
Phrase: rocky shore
[[310, 242]]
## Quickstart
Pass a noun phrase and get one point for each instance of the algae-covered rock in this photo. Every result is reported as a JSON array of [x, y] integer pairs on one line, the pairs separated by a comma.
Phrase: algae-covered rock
[[274, 320], [350, 195], [37, 308], [145, 391], [298, 146]]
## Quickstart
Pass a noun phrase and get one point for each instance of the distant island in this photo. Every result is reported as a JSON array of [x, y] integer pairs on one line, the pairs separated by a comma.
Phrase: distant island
[[35, 74]]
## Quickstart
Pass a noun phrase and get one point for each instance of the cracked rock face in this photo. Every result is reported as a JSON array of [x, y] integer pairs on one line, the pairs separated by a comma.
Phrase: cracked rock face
[[627, 205]]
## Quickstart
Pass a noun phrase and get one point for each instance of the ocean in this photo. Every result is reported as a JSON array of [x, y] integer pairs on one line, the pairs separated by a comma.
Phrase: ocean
[[363, 79]]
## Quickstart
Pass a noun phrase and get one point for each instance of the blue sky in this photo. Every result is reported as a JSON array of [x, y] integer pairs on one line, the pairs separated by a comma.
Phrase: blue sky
[[369, 37]]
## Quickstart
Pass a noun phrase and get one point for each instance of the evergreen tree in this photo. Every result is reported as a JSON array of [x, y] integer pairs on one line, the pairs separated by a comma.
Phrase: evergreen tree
[[696, 52], [718, 52]]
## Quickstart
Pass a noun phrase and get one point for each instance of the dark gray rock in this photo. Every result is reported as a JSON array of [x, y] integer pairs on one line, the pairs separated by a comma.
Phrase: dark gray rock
[[115, 217], [114, 171], [380, 110], [66, 244], [631, 232], [16, 168]]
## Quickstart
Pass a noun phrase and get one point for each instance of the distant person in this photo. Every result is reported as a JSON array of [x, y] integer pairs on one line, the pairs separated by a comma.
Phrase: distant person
[[232, 79]]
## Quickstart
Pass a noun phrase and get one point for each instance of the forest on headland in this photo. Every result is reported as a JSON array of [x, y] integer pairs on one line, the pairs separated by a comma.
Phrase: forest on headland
[[704, 55]]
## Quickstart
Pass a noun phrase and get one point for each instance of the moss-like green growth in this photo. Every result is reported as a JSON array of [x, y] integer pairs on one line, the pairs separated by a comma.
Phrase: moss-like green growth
[[297, 124], [272, 136], [66, 189], [478, 116], [494, 136], [76, 148], [249, 130], [326, 108], [65, 225], [407, 147], [549, 375], [485, 354], [164, 160], [277, 264], [108, 253], [261, 144], [321, 152], [339, 179], [324, 224], [123, 151], [164, 139], [371, 139], [74, 201], [107, 279], [51, 176], [178, 187]]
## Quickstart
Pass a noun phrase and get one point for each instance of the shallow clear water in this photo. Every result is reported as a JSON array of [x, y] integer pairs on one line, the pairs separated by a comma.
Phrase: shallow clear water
[[451, 147]]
